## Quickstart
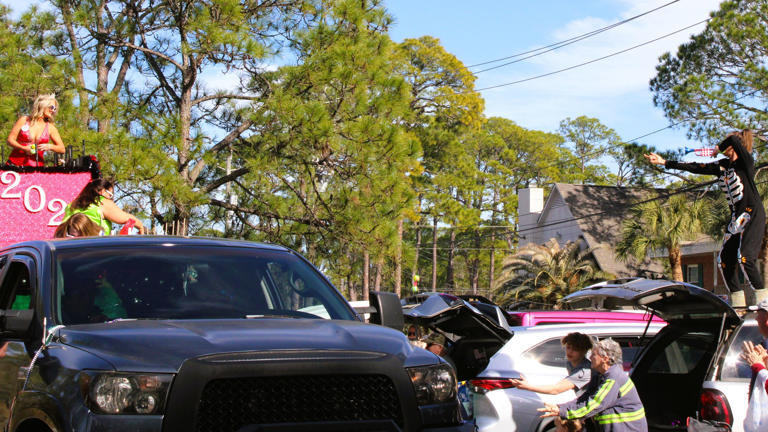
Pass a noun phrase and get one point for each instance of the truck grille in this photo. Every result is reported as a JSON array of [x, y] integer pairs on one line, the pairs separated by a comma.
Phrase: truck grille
[[230, 404]]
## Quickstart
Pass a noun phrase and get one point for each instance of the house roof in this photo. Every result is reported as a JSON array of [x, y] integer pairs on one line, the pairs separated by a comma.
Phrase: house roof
[[599, 212]]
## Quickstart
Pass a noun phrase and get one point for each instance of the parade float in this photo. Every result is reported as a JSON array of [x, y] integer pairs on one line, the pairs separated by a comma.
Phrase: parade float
[[33, 199]]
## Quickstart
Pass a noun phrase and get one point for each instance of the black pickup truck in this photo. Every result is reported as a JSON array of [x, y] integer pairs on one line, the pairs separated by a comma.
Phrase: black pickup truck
[[190, 334]]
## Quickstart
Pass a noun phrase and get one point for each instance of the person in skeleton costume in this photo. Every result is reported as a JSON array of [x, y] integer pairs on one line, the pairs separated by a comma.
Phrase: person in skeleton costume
[[744, 234]]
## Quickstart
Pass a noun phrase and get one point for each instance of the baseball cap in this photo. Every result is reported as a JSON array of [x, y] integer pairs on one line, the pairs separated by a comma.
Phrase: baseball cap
[[435, 338]]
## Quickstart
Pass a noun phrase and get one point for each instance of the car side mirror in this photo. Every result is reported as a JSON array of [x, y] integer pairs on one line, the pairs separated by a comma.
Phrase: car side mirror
[[16, 323], [389, 312]]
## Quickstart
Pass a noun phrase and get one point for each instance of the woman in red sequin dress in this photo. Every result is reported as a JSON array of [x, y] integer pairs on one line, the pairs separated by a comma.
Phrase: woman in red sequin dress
[[33, 135]]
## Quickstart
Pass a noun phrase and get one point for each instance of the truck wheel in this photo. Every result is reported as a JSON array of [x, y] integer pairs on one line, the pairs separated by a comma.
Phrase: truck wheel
[[33, 425]]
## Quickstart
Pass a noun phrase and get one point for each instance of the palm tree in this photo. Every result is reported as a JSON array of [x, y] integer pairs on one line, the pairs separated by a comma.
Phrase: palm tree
[[663, 225], [546, 273]]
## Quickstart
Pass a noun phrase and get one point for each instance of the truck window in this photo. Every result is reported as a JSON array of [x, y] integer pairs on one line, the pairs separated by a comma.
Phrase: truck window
[[15, 291], [293, 290], [187, 282]]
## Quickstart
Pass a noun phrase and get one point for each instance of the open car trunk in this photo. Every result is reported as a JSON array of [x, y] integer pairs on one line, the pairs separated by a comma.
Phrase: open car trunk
[[473, 337], [671, 369]]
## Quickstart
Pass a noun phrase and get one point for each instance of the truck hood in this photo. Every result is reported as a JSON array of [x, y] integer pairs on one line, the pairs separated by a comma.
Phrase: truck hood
[[163, 345], [671, 300]]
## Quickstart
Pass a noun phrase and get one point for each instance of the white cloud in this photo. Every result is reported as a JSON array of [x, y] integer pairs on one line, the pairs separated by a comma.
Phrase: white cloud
[[614, 89]]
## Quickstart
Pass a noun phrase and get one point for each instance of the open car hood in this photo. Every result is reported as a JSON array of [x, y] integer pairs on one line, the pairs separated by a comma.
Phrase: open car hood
[[669, 300], [453, 315]]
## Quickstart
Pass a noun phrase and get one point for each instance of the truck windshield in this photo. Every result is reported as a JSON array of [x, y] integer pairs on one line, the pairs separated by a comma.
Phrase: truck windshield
[[187, 282]]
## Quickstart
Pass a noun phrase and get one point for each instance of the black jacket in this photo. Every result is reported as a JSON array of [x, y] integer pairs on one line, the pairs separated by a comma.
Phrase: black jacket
[[737, 178]]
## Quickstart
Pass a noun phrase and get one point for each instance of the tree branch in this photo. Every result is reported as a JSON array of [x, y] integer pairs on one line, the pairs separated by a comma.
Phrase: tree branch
[[222, 96], [235, 208], [147, 51], [227, 178]]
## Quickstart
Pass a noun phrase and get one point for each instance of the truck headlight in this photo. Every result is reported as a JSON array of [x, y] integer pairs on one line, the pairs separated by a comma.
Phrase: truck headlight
[[433, 384], [114, 393]]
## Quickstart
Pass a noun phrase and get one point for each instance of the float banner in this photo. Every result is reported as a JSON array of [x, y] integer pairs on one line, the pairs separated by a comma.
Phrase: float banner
[[32, 203]]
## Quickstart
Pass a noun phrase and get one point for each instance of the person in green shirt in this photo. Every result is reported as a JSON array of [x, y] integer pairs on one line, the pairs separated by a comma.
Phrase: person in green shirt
[[95, 201]]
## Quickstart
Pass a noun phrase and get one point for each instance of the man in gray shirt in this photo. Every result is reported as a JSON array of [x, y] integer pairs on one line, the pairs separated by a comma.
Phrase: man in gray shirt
[[578, 366]]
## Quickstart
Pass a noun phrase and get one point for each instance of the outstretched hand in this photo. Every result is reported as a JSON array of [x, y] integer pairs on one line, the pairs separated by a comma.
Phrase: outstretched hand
[[519, 382], [655, 159], [752, 353], [549, 410]]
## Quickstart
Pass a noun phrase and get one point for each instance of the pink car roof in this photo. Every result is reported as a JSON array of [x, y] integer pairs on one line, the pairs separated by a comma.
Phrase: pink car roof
[[530, 318]]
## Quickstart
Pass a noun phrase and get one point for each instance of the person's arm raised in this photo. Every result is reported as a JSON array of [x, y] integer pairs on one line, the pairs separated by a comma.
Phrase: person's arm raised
[[712, 168], [115, 214]]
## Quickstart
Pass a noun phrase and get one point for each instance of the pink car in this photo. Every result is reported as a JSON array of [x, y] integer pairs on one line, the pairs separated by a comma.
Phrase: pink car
[[542, 317]]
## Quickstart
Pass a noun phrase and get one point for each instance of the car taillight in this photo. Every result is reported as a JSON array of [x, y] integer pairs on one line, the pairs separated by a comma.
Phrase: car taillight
[[715, 406], [484, 385]]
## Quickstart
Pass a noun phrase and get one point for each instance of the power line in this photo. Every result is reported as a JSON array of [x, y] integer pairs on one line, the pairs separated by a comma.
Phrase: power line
[[661, 196], [555, 46], [591, 61], [572, 40], [600, 150]]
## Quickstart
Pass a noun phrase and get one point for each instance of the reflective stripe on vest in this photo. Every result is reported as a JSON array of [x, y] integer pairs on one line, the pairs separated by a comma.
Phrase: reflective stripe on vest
[[621, 417], [594, 402], [629, 385]]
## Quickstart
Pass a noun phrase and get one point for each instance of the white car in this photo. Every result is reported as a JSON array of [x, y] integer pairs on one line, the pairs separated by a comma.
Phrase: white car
[[726, 386], [536, 353]]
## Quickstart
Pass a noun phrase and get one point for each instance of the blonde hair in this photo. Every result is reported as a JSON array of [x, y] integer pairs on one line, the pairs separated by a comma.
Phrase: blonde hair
[[78, 225], [42, 102], [746, 139]]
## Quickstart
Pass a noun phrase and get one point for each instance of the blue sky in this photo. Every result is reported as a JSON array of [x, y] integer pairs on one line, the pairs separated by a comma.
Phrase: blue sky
[[614, 90]]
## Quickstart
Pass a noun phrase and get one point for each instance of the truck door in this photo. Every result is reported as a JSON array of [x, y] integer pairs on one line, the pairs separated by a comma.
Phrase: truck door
[[17, 277]]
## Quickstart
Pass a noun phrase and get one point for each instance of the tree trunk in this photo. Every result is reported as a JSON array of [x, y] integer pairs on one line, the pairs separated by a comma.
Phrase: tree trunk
[[434, 255], [492, 263], [415, 269], [399, 258], [351, 293], [475, 267], [675, 263], [449, 283], [379, 273], [77, 58], [366, 274]]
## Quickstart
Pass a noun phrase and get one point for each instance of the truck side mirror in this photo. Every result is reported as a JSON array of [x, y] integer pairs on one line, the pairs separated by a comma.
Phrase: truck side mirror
[[16, 323], [389, 312]]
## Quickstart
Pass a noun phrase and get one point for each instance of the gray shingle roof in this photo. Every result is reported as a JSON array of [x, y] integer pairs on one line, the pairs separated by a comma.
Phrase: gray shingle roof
[[603, 231]]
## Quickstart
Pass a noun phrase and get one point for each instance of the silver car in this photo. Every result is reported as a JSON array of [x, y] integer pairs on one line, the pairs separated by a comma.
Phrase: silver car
[[536, 353], [725, 389]]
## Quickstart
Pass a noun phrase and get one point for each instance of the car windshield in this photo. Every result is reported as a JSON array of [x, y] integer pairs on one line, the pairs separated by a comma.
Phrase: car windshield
[[186, 282]]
